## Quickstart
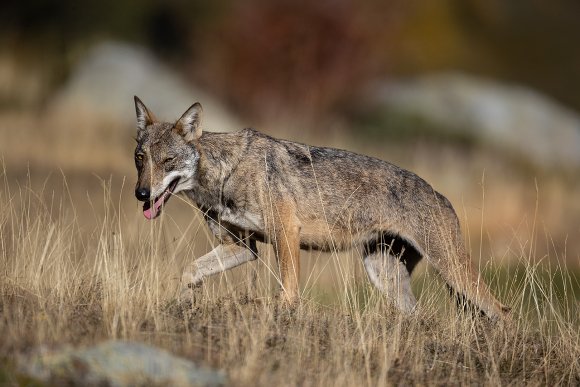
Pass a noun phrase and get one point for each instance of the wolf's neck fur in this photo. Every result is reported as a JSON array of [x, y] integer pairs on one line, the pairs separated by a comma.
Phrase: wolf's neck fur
[[219, 156]]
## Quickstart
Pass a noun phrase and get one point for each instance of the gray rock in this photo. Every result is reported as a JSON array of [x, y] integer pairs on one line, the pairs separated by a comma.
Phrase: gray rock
[[104, 82], [512, 117], [117, 363]]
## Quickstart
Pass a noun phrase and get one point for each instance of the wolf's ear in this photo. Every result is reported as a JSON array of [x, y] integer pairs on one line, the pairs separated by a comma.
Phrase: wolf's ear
[[144, 116], [189, 125]]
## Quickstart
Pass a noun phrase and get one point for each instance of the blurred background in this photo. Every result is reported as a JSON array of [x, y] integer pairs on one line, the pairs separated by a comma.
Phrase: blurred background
[[479, 97]]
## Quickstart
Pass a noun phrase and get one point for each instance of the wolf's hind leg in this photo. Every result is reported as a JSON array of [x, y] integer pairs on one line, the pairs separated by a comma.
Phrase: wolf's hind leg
[[220, 259], [388, 274]]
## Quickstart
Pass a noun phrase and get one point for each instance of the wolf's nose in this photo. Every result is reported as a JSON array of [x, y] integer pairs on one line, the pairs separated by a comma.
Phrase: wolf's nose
[[142, 194]]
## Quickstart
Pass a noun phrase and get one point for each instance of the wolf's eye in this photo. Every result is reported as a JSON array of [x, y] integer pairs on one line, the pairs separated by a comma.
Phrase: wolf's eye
[[169, 159], [139, 160]]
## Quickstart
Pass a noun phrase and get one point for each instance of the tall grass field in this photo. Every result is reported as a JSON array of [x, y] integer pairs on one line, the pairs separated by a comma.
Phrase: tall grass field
[[66, 280]]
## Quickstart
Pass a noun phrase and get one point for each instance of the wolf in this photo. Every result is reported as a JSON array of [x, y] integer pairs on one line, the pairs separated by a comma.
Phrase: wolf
[[255, 188]]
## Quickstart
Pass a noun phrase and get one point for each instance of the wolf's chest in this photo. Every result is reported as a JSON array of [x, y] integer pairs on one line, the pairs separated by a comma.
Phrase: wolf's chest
[[221, 211], [242, 219]]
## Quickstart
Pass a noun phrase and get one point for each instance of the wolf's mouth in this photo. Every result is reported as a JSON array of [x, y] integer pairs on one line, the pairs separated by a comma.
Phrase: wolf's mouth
[[153, 211]]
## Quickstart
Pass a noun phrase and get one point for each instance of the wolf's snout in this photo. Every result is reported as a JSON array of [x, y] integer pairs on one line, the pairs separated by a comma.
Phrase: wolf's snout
[[142, 194]]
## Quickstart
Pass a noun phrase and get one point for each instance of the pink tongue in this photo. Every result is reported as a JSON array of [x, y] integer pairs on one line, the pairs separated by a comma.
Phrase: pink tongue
[[153, 211]]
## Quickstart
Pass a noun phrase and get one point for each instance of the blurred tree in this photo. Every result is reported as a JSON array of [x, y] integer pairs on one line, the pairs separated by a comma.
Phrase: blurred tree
[[301, 57], [529, 42], [295, 56], [533, 42]]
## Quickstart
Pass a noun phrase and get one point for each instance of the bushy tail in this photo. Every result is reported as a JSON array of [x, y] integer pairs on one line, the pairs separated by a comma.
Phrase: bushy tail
[[468, 288]]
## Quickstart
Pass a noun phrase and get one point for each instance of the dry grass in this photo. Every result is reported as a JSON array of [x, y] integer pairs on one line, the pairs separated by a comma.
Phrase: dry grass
[[67, 280], [79, 264]]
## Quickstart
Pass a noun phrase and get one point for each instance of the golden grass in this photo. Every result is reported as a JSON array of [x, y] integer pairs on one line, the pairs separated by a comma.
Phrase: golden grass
[[67, 280]]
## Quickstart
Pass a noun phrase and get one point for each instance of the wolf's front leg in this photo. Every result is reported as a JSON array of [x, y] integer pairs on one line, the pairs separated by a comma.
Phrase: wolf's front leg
[[220, 259], [286, 244]]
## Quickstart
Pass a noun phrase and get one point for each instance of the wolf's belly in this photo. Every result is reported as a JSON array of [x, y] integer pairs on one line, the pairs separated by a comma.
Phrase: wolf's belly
[[318, 235]]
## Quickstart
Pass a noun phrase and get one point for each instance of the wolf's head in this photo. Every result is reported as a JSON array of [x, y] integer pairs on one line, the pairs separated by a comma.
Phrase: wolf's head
[[166, 157]]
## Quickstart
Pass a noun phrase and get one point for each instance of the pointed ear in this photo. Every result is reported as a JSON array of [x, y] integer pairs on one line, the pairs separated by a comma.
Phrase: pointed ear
[[189, 125], [144, 116]]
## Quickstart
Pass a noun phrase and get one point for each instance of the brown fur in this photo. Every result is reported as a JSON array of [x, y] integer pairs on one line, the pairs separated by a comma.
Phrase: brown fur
[[253, 187]]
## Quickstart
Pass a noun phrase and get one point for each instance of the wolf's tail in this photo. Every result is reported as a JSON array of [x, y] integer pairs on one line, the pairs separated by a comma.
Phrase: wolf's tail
[[466, 285]]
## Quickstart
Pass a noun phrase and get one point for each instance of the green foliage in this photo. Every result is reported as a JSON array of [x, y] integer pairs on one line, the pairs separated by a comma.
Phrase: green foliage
[[385, 125]]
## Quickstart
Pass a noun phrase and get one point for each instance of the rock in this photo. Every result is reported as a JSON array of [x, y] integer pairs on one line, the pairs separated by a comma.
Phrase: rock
[[102, 86], [514, 118], [117, 363]]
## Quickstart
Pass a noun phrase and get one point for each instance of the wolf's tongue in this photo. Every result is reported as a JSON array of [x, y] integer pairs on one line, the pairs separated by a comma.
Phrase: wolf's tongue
[[151, 212]]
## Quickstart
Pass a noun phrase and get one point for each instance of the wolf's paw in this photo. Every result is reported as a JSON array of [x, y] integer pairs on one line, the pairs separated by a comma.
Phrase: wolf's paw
[[188, 299], [189, 281]]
